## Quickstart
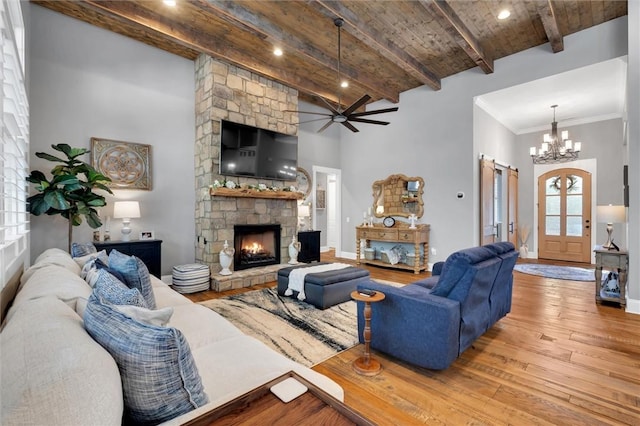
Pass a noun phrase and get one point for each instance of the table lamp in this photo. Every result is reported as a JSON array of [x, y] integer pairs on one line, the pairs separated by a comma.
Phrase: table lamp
[[126, 210], [610, 214], [303, 214]]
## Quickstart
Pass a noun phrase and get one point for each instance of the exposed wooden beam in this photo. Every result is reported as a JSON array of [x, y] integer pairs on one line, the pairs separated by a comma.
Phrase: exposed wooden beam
[[236, 14], [129, 13], [453, 25], [378, 42], [550, 24]]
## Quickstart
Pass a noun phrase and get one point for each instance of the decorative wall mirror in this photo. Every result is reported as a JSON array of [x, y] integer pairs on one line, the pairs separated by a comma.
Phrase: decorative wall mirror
[[398, 195]]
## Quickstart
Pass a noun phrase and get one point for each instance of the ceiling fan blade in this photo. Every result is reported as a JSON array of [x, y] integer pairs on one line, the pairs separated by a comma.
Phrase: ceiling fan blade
[[312, 121], [309, 112], [329, 123], [357, 104], [349, 126], [331, 108], [377, 111], [364, 120]]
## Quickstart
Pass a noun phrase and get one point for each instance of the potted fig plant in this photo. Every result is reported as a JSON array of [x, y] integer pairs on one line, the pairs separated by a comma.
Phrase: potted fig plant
[[70, 190]]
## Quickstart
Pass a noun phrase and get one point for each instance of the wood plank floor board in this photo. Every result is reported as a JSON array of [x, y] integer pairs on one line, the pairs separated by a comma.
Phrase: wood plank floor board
[[558, 358]]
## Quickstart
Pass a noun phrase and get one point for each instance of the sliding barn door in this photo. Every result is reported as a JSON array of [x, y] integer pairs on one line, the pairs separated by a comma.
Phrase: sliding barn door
[[488, 229], [512, 206], [564, 215]]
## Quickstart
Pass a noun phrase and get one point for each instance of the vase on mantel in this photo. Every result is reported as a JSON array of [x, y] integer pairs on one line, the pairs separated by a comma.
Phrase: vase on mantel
[[294, 249], [226, 258]]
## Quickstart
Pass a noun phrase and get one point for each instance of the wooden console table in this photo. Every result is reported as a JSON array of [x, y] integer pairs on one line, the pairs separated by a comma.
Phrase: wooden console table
[[616, 261], [419, 237]]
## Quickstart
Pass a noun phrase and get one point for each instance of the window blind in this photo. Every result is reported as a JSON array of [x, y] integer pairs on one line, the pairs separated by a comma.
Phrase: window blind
[[14, 151]]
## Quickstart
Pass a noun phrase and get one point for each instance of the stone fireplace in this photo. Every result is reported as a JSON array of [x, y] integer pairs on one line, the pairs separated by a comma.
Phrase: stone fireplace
[[226, 92], [256, 246]]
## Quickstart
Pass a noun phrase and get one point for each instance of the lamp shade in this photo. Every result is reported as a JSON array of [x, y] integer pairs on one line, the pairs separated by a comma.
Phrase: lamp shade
[[611, 214], [126, 209], [303, 210]]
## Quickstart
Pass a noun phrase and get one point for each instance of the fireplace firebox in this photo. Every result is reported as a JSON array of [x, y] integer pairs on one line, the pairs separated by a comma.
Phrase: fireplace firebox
[[256, 245]]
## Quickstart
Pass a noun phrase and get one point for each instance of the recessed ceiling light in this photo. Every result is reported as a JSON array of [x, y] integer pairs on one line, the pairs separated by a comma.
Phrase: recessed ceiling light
[[277, 51], [504, 14], [171, 3], [344, 84]]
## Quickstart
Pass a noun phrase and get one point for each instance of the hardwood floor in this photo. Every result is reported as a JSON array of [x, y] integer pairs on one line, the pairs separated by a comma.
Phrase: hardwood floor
[[557, 358]]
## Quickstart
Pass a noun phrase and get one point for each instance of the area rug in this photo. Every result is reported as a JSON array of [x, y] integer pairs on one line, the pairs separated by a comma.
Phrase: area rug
[[296, 329], [558, 272]]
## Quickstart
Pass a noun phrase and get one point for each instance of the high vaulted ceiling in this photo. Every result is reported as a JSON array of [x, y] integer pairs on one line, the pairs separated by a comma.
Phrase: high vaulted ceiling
[[387, 46]]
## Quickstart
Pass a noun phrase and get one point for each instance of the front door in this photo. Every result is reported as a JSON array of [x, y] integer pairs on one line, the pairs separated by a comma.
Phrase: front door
[[564, 215]]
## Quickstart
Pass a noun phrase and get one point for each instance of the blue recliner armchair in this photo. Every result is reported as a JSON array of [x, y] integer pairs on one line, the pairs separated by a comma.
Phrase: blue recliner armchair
[[430, 322]]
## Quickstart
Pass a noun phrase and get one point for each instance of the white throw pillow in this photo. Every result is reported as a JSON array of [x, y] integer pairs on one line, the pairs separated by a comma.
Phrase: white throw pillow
[[158, 317]]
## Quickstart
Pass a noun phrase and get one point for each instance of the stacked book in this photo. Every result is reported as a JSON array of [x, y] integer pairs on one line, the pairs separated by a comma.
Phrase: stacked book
[[190, 278]]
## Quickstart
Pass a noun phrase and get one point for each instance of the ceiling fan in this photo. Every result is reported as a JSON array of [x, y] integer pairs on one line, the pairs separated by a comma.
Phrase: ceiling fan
[[348, 115]]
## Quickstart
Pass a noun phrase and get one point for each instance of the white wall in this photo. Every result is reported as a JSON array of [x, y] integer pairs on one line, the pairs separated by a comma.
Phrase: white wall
[[432, 136], [85, 81]]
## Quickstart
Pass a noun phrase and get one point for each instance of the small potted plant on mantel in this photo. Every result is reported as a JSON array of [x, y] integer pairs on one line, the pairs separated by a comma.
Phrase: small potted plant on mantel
[[70, 191]]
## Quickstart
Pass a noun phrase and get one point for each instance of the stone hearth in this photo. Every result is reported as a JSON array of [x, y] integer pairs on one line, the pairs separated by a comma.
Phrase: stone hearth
[[246, 278]]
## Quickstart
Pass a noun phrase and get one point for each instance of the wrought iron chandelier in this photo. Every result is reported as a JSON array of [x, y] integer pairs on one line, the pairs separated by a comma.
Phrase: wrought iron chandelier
[[555, 149]]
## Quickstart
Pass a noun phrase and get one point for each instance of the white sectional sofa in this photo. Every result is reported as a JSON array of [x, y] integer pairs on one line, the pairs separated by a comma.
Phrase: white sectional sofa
[[54, 373]]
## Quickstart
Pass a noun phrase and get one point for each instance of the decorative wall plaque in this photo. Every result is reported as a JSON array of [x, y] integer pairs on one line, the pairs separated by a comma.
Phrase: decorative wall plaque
[[128, 164]]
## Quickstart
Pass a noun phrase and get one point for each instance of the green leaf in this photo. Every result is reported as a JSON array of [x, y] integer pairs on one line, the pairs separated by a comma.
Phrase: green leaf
[[93, 219], [98, 202], [65, 180], [36, 205], [103, 187], [49, 157], [56, 200], [76, 220], [36, 176]]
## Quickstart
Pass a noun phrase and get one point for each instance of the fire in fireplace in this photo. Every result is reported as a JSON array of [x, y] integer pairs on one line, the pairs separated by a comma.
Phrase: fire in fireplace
[[256, 245]]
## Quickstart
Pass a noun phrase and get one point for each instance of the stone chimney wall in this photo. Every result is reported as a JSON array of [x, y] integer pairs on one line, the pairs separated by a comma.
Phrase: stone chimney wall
[[227, 92]]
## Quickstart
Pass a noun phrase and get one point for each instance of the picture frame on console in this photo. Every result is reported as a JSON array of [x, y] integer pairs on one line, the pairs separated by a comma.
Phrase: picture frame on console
[[147, 235]]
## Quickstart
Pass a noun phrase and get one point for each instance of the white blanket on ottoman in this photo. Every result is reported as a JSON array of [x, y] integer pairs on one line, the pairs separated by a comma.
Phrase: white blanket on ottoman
[[296, 277]]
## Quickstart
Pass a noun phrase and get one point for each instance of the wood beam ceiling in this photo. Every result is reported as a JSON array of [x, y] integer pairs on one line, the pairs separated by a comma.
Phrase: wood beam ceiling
[[378, 42], [551, 27], [237, 15], [453, 25]]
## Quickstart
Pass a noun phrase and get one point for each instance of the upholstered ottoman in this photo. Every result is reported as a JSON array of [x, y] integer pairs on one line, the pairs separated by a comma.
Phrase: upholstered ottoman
[[325, 289]]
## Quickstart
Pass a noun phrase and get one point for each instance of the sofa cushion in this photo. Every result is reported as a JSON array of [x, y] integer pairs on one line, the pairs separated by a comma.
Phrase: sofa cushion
[[159, 376], [135, 273], [115, 292], [52, 280], [456, 266], [53, 372], [52, 257], [82, 249]]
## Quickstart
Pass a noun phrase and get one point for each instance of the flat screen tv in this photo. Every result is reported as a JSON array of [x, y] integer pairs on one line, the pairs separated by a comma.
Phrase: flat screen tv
[[259, 153]]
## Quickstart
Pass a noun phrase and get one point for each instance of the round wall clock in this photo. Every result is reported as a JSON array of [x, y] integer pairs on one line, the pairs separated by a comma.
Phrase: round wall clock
[[303, 181], [388, 221]]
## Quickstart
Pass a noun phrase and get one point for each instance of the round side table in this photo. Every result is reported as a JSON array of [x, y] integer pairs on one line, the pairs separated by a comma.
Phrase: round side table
[[366, 365]]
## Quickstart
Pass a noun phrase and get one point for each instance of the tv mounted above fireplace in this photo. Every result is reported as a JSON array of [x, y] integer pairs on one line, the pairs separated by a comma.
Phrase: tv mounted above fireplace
[[255, 152]]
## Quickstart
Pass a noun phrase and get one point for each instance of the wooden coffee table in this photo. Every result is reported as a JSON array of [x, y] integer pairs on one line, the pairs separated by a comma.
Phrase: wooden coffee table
[[261, 406], [366, 365]]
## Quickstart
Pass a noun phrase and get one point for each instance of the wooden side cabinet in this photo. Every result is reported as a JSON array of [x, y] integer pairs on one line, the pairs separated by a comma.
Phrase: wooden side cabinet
[[149, 251], [613, 261], [309, 246]]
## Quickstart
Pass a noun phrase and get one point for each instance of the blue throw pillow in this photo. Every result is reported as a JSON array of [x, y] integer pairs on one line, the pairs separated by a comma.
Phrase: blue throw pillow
[[99, 264], [160, 380], [135, 273], [113, 291], [82, 249]]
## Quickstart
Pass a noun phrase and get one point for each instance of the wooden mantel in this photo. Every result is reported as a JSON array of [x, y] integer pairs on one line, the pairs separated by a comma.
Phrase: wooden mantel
[[254, 193]]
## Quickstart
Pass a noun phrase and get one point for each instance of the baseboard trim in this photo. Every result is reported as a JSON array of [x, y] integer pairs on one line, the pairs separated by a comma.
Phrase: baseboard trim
[[633, 306]]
